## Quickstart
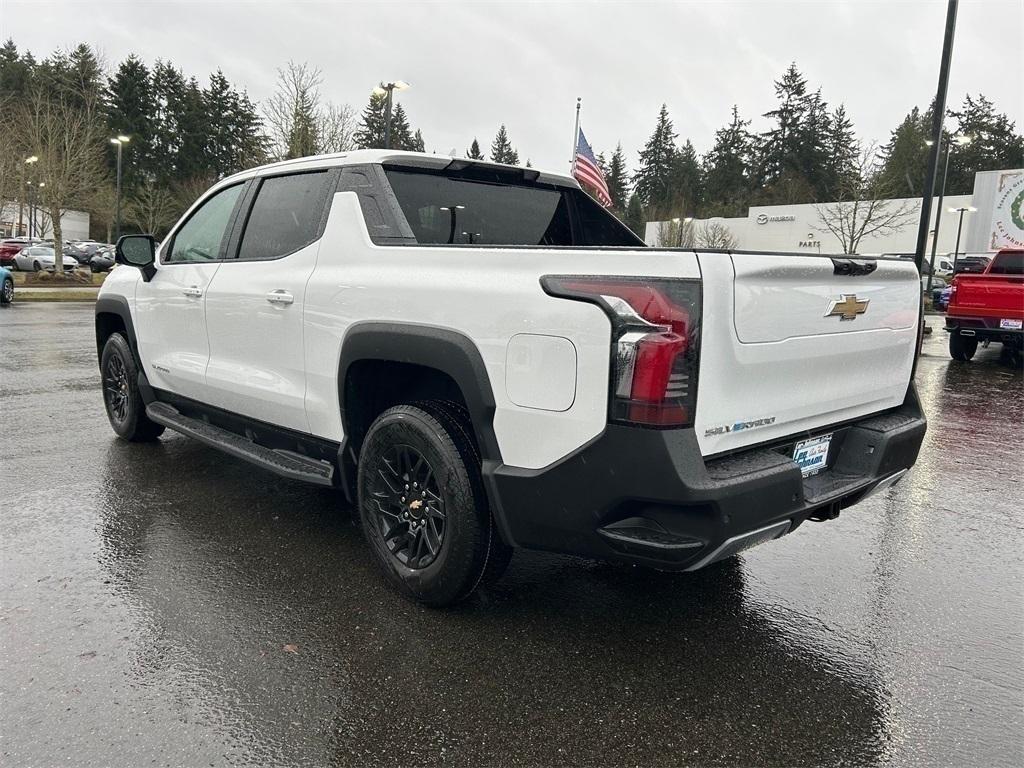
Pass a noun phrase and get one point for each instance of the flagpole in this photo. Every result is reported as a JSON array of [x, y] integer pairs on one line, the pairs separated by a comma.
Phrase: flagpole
[[575, 137]]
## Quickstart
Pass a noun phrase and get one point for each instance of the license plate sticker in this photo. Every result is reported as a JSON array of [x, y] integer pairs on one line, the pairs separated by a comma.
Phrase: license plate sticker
[[812, 455], [1011, 325]]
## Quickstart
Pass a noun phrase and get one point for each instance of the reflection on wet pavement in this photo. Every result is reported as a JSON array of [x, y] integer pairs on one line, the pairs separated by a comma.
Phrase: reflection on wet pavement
[[168, 603]]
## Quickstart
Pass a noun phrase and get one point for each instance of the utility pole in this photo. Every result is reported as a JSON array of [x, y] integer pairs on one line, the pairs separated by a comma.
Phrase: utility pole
[[937, 119]]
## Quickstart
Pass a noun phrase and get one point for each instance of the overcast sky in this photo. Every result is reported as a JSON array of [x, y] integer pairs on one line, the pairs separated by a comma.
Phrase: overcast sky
[[475, 65]]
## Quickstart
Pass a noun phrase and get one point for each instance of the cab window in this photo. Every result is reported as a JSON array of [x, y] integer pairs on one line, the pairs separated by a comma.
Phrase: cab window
[[203, 237]]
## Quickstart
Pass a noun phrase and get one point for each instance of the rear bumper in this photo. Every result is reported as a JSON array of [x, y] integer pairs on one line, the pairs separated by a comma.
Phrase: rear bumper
[[648, 496], [983, 329]]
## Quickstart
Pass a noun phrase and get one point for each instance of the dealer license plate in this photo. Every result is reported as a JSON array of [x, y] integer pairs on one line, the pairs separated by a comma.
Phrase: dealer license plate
[[1011, 325], [812, 454]]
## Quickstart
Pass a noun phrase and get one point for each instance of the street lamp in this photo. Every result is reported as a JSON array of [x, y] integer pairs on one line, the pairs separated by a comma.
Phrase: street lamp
[[960, 226], [453, 212], [120, 140], [960, 140], [21, 198], [381, 90]]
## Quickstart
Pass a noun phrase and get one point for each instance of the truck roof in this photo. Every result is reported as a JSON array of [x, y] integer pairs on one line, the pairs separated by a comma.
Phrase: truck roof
[[393, 157]]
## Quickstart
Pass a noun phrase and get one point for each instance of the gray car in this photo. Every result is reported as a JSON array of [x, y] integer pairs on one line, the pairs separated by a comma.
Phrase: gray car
[[38, 257]]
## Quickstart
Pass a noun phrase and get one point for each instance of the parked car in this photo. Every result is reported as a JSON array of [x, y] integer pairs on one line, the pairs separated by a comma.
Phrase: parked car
[[6, 286], [83, 250], [987, 307], [102, 260], [533, 384], [938, 284], [971, 265], [943, 301], [10, 246], [37, 257]]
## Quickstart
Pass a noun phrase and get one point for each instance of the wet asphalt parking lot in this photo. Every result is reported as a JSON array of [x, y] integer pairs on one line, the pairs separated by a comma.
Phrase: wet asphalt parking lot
[[168, 605]]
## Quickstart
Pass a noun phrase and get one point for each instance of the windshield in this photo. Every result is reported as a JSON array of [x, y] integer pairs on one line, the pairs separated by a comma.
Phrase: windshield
[[447, 210]]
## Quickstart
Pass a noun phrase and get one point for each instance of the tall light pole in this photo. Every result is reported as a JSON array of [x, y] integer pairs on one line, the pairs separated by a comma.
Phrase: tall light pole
[[29, 161], [119, 141], [960, 140], [453, 212], [389, 89], [939, 110], [959, 228]]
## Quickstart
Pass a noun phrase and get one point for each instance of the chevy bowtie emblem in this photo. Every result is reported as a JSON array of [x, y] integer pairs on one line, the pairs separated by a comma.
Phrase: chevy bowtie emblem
[[847, 308]]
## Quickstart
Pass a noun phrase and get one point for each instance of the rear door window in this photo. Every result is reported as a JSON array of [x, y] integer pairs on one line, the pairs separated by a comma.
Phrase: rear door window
[[446, 210], [285, 215]]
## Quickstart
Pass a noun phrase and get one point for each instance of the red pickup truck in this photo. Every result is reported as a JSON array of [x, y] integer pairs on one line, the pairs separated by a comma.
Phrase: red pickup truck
[[988, 306]]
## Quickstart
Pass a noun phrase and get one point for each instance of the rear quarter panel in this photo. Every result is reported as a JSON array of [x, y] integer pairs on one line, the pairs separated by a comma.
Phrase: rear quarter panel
[[490, 296]]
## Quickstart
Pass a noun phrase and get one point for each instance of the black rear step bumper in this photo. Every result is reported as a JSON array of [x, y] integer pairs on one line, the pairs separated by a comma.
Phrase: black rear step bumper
[[648, 497], [984, 329]]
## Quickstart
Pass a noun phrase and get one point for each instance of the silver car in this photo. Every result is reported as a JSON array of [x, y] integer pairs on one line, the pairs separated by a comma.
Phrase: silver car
[[37, 257]]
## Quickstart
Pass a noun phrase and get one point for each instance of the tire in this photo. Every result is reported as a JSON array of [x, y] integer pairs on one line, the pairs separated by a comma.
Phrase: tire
[[962, 348], [438, 547], [94, 269], [125, 409], [36, 266], [7, 291]]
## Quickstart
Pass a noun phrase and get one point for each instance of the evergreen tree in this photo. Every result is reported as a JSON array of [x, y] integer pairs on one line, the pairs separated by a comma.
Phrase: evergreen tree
[[401, 134], [370, 134], [418, 144], [994, 144], [727, 175], [130, 110], [842, 153], [169, 126], [501, 148], [905, 155], [636, 218], [653, 178], [686, 182], [474, 153], [234, 139], [15, 71], [618, 180], [788, 153]]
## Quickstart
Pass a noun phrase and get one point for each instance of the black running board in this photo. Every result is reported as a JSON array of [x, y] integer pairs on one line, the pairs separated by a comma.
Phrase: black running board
[[294, 466]]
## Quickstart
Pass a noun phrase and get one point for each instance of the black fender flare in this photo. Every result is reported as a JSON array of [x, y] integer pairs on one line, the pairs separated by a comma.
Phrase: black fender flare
[[118, 305], [442, 349]]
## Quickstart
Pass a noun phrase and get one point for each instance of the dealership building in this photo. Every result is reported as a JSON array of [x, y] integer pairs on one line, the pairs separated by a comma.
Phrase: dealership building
[[16, 220], [997, 222]]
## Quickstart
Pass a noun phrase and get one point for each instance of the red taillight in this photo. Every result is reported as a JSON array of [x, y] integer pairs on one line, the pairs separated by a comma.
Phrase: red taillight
[[654, 343]]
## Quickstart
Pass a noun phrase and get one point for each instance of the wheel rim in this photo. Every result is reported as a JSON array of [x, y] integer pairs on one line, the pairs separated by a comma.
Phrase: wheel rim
[[408, 508], [8, 290], [115, 388]]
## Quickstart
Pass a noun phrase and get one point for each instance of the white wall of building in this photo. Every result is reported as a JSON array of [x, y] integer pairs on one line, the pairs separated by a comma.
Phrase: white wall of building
[[799, 228], [74, 224]]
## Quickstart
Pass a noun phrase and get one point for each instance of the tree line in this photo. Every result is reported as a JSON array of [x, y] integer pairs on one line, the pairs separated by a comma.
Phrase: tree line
[[185, 133]]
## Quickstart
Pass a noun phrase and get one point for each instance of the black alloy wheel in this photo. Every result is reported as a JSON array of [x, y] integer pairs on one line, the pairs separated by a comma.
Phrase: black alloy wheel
[[7, 296], [115, 388], [409, 506]]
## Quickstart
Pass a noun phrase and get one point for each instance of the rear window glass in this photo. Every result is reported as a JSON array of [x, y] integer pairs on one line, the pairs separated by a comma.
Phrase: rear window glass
[[285, 215], [1008, 264], [445, 210]]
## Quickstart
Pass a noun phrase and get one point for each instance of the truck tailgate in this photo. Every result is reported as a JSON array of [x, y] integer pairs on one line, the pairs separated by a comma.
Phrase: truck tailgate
[[998, 296], [793, 343]]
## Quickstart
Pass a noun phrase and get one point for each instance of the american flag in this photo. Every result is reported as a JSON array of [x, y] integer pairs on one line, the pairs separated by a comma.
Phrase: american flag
[[587, 171]]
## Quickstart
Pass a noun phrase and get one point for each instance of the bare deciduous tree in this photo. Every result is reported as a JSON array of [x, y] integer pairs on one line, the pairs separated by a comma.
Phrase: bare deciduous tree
[[673, 234], [300, 122], [337, 127], [64, 129], [715, 234], [153, 209], [863, 208]]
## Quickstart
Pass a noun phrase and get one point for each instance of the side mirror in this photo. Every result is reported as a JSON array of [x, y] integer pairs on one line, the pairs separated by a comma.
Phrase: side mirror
[[137, 251]]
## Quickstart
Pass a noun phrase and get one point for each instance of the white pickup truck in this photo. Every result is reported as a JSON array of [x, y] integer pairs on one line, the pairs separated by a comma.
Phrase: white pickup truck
[[482, 358]]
